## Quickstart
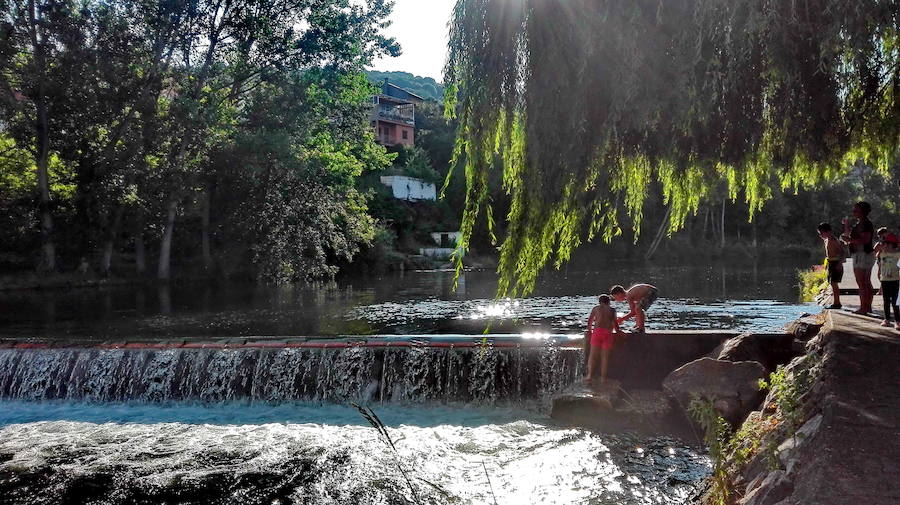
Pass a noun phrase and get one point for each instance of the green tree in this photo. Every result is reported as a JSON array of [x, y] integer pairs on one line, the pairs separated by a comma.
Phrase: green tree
[[588, 102]]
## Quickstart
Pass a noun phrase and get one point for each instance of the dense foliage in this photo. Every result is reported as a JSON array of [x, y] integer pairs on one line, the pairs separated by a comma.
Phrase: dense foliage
[[589, 102], [242, 120]]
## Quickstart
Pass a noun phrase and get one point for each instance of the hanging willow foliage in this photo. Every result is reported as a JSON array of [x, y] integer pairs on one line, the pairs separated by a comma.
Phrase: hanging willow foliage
[[587, 101]]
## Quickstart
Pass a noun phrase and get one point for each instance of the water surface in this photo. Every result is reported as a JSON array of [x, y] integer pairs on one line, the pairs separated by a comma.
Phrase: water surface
[[306, 453], [741, 298]]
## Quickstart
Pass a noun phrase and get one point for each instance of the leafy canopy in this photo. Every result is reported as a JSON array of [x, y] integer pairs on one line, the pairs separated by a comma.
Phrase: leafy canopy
[[588, 101]]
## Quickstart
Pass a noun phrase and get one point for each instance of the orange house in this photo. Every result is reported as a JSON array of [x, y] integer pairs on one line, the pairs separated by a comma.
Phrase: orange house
[[394, 115]]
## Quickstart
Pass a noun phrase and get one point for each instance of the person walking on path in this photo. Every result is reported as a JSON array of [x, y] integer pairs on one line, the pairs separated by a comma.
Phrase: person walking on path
[[888, 256], [859, 239]]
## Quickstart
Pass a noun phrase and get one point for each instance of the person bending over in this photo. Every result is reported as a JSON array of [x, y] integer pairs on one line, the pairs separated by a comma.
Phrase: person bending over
[[639, 297], [601, 329]]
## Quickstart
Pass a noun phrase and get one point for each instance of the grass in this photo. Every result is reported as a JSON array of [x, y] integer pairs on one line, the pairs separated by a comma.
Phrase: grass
[[812, 282]]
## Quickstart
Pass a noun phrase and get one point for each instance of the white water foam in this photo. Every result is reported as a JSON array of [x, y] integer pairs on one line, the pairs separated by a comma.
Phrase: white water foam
[[328, 454]]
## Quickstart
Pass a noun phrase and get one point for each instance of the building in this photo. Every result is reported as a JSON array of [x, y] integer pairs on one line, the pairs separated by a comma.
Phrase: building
[[446, 243], [394, 115], [409, 188]]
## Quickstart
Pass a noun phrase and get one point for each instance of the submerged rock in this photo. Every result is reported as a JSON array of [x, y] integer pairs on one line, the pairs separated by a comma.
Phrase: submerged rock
[[613, 410], [732, 386]]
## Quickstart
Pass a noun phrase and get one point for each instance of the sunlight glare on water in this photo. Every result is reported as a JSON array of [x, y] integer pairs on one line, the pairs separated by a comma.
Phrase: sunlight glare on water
[[328, 454]]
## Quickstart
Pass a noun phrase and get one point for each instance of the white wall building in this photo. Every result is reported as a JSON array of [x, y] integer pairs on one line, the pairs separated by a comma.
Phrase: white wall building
[[409, 188]]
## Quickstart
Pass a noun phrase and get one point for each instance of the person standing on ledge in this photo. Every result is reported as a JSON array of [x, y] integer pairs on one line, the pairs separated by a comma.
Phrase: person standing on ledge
[[834, 257], [601, 327], [639, 297], [859, 239]]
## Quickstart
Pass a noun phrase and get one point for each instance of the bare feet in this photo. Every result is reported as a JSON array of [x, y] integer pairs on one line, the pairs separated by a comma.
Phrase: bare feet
[[587, 381], [860, 312], [897, 325], [885, 323]]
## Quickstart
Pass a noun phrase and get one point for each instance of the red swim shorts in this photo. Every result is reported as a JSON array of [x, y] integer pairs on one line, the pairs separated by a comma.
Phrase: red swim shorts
[[602, 337]]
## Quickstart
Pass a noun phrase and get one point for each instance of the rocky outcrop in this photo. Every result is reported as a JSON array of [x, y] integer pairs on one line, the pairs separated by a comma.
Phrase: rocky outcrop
[[829, 432], [732, 386], [806, 327], [768, 349]]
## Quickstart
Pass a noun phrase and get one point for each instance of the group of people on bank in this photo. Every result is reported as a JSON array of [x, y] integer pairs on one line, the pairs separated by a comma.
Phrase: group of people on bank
[[867, 248]]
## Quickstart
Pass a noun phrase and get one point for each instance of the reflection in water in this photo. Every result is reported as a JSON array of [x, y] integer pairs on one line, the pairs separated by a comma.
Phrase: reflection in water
[[758, 297]]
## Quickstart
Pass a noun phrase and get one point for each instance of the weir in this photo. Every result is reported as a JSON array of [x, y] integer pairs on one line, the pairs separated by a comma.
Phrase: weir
[[388, 368]]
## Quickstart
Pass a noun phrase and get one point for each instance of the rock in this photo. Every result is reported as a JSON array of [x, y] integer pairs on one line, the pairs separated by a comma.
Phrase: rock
[[768, 349], [806, 327], [732, 386], [613, 410], [645, 405], [581, 403], [775, 487]]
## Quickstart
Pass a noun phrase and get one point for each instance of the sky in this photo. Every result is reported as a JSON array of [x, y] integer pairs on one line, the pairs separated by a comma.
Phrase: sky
[[420, 26]]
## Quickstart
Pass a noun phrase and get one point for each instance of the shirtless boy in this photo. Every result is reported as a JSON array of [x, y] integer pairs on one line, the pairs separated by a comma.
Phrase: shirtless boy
[[834, 254], [639, 297], [600, 327]]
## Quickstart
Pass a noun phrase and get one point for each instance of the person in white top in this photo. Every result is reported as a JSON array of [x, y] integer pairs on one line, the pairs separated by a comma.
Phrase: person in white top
[[887, 257]]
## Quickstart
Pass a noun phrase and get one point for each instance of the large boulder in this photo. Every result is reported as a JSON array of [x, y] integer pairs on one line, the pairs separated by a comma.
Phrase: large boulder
[[770, 350], [732, 386]]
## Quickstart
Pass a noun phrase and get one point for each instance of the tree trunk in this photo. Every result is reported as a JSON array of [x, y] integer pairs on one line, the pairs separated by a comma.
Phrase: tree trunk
[[659, 234], [204, 230], [722, 229], [110, 243], [42, 141], [48, 262], [140, 254], [165, 246], [705, 224], [755, 239]]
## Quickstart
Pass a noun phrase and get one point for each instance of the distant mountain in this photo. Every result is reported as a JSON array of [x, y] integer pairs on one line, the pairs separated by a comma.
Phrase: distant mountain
[[426, 87]]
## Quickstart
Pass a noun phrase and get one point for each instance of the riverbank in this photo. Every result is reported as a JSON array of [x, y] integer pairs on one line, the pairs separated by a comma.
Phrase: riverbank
[[828, 429]]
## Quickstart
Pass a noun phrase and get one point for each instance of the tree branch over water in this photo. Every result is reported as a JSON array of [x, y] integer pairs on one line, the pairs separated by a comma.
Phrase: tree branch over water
[[587, 102]]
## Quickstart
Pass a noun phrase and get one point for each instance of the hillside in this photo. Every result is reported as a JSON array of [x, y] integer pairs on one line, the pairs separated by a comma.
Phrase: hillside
[[426, 87]]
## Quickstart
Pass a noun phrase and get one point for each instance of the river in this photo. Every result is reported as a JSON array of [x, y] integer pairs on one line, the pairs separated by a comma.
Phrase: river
[[133, 449]]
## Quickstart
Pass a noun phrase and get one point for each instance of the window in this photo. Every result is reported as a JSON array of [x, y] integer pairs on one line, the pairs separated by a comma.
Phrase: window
[[405, 135]]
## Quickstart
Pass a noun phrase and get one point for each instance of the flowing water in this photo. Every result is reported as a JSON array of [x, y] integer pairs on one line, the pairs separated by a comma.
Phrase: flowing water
[[274, 426], [315, 454]]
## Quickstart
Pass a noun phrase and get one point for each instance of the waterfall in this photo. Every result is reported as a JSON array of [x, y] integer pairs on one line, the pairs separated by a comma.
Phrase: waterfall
[[273, 375]]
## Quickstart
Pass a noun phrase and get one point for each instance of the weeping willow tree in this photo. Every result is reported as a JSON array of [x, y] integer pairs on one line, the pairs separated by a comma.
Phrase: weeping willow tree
[[586, 102]]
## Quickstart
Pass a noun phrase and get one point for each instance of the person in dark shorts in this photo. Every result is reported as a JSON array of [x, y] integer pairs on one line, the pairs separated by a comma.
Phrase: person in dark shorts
[[834, 258], [859, 238], [639, 297]]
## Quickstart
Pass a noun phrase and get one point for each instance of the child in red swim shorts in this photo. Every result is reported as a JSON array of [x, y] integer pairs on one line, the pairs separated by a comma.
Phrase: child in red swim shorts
[[601, 329]]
